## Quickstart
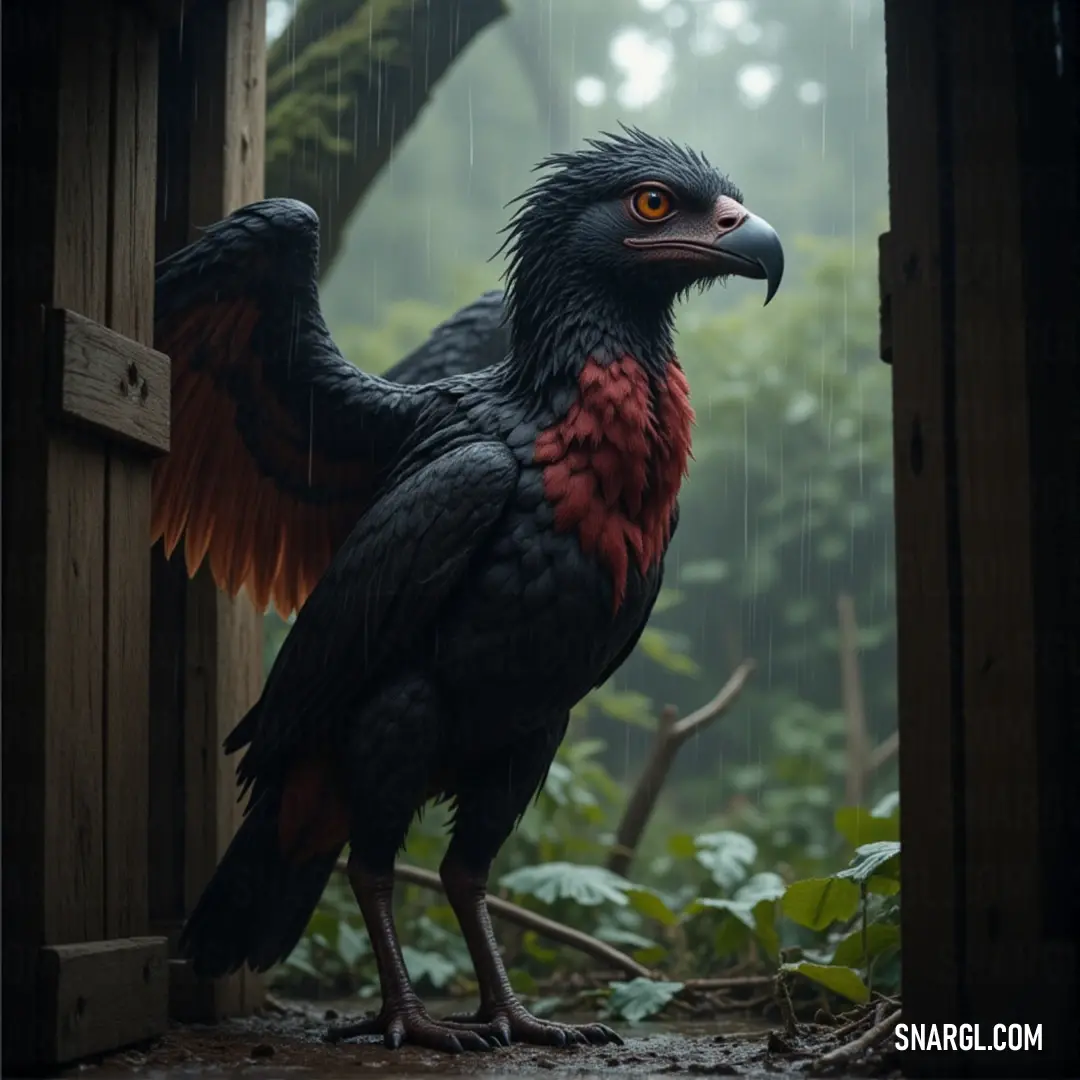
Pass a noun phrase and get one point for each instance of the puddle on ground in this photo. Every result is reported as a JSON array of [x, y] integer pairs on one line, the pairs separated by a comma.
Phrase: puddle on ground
[[276, 1047]]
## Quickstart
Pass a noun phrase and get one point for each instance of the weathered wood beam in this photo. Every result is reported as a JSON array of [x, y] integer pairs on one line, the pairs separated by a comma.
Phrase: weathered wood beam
[[926, 539], [96, 996], [206, 648], [76, 584], [983, 281], [108, 382]]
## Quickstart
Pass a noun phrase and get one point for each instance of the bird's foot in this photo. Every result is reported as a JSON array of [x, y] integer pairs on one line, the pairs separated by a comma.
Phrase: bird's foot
[[410, 1023], [513, 1023]]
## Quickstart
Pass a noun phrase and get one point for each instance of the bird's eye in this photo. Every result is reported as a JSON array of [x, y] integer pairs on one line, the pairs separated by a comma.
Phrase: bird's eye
[[651, 203]]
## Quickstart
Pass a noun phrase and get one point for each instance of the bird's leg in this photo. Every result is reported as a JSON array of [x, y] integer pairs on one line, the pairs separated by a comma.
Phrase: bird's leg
[[501, 1015], [487, 809], [403, 1018], [387, 756]]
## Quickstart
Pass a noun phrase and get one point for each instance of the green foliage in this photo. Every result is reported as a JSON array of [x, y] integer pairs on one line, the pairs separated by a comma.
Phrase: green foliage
[[844, 981], [817, 903], [640, 998], [689, 920], [726, 855], [587, 885]]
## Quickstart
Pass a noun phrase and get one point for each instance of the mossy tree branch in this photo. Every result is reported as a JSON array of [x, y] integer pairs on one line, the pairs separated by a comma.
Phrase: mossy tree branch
[[345, 82]]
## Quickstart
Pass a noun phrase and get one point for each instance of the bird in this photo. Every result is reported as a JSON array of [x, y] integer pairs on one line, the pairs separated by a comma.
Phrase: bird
[[467, 557]]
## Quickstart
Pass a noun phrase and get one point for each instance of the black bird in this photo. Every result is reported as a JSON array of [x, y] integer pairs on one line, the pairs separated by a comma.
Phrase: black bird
[[480, 551]]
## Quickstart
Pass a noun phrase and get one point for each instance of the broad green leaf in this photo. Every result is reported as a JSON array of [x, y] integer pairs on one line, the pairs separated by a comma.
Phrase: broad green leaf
[[323, 924], [650, 957], [667, 650], [732, 936], [546, 1006], [880, 859], [880, 938], [553, 881], [817, 903], [883, 886], [300, 959], [640, 998], [763, 886], [727, 856], [351, 944], [522, 982], [627, 706], [617, 935], [840, 980], [765, 927], [859, 826], [681, 846], [652, 906], [704, 572], [752, 911], [424, 964], [538, 951], [668, 599]]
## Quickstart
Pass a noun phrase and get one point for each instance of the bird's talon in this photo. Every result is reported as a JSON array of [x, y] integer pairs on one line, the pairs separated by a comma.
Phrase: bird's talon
[[413, 1025], [518, 1026], [371, 1026]]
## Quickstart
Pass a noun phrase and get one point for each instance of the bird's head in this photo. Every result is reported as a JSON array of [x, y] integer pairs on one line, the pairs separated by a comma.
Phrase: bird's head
[[635, 221]]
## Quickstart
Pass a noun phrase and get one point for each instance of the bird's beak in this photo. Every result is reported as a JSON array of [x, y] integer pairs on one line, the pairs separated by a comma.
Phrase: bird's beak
[[752, 250]]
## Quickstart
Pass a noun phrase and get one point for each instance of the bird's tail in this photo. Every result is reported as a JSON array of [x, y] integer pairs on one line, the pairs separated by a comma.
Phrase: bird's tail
[[258, 902]]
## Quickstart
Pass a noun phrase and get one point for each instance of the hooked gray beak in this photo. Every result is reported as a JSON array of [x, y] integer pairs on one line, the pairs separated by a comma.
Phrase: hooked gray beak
[[753, 250]]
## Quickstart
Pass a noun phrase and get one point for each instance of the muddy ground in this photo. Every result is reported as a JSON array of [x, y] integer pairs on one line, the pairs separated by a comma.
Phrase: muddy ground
[[272, 1046]]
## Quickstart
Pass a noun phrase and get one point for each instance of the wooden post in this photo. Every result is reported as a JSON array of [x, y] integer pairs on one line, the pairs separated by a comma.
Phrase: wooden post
[[206, 649], [984, 338], [86, 410], [925, 540]]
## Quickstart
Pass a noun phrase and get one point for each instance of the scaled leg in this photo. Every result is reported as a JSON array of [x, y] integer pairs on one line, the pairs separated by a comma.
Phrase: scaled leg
[[487, 811]]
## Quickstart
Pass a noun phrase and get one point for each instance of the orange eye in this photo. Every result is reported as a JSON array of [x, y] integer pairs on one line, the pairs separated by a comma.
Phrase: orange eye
[[651, 203]]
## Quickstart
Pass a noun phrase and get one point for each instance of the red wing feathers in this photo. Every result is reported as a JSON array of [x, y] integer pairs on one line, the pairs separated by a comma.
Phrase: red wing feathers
[[244, 485], [314, 819]]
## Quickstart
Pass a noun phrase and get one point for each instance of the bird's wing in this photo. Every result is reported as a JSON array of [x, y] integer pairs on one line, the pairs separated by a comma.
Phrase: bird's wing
[[278, 443], [377, 601], [471, 339]]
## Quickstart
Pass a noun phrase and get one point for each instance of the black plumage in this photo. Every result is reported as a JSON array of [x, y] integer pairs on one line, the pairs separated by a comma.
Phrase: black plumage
[[472, 554]]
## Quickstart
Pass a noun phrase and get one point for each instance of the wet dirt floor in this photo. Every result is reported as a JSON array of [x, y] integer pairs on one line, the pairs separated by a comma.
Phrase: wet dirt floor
[[277, 1047]]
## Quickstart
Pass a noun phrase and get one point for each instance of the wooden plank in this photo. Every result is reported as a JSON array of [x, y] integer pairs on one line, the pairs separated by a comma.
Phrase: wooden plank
[[169, 13], [127, 630], [240, 631], [168, 585], [101, 995], [886, 267], [1015, 971], [169, 578], [1049, 147], [929, 708], [108, 382], [994, 501], [29, 179], [1047, 107], [74, 536], [221, 141]]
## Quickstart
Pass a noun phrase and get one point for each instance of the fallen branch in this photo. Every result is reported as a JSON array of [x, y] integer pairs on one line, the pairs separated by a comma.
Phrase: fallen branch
[[846, 1054], [734, 982], [530, 920], [670, 736], [881, 753]]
